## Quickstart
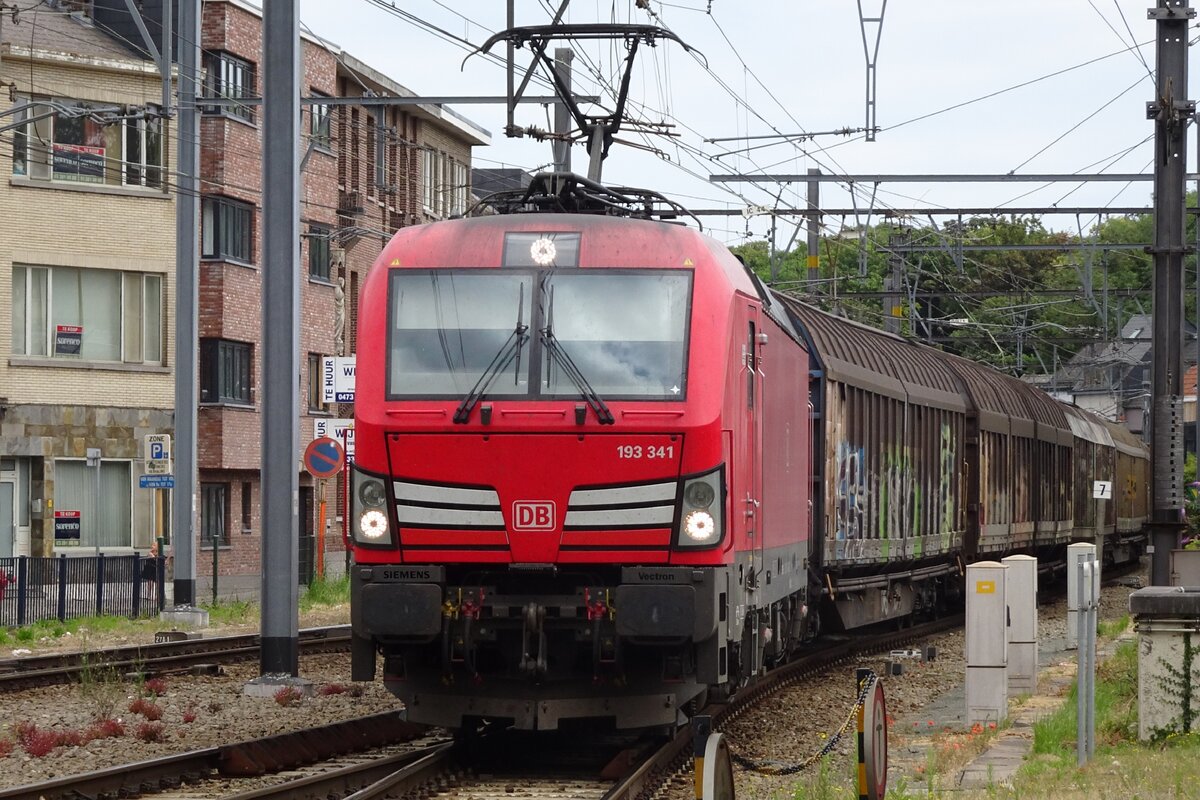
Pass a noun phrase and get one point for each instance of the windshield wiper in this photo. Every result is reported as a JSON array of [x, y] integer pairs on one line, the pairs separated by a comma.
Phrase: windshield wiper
[[559, 355], [509, 351]]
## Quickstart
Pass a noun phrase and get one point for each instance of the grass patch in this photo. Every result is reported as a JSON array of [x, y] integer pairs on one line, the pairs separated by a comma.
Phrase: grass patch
[[231, 612], [1111, 629], [74, 627], [326, 592], [1116, 709], [1122, 766], [322, 594], [831, 778]]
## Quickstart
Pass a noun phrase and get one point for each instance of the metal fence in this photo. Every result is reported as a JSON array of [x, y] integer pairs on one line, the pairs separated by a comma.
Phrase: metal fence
[[35, 588]]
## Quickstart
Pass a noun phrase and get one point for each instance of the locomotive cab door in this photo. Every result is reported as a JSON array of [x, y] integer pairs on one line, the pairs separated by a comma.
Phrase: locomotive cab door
[[750, 499]]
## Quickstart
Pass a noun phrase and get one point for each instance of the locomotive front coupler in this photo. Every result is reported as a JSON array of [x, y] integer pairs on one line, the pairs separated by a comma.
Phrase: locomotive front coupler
[[460, 611], [533, 629]]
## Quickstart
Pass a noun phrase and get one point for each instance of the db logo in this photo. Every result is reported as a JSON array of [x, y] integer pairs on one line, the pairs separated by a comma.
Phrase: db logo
[[530, 515]]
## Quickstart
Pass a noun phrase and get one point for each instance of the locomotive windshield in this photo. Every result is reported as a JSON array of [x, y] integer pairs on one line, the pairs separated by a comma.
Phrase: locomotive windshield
[[447, 327], [625, 332]]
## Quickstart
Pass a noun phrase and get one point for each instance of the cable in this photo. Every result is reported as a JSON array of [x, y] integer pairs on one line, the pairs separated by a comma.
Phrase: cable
[[1077, 125]]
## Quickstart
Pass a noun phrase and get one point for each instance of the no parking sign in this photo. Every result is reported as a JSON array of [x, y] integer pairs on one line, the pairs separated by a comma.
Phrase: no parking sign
[[323, 458]]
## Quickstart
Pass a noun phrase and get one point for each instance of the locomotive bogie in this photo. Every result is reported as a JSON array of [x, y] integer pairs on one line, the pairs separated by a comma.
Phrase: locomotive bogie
[[634, 646]]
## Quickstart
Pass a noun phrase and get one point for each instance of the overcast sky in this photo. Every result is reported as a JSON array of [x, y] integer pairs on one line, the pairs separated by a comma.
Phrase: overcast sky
[[943, 68]]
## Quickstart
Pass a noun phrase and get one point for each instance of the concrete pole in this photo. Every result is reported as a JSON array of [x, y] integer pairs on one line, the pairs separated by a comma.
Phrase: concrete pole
[[187, 299], [563, 56], [1170, 111], [280, 340]]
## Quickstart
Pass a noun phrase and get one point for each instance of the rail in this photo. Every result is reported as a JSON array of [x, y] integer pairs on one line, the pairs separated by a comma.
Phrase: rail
[[158, 658], [243, 759], [674, 755]]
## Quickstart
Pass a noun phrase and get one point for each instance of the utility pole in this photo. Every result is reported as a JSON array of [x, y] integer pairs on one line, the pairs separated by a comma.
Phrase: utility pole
[[187, 300], [168, 34], [814, 229], [893, 283], [280, 655], [1170, 111], [774, 268], [563, 56]]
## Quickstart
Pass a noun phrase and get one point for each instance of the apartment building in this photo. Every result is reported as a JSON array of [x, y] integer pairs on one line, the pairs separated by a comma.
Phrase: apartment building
[[87, 285], [367, 170], [88, 335]]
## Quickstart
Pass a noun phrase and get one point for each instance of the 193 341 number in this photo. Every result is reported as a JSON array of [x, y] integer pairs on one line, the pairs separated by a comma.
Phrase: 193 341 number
[[653, 451]]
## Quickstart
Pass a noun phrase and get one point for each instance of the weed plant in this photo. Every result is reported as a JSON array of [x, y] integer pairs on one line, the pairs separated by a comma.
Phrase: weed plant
[[100, 686]]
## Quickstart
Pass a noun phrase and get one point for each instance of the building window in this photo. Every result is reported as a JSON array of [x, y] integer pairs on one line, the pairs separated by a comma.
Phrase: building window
[[214, 513], [459, 189], [228, 229], [372, 139], [318, 251], [381, 150], [246, 517], [104, 519], [229, 77], [143, 152], [88, 314], [101, 144], [224, 371], [428, 179], [319, 119], [316, 398]]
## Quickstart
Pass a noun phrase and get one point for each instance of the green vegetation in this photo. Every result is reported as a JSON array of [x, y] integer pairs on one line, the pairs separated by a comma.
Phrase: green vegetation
[[1122, 767], [100, 687], [1111, 629], [1023, 311], [832, 778], [326, 592], [78, 626], [231, 612], [321, 594]]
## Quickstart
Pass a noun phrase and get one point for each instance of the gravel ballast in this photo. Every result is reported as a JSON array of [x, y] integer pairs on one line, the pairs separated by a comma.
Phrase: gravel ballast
[[783, 729]]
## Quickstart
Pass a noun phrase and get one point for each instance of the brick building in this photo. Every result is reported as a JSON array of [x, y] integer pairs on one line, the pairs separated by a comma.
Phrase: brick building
[[366, 171], [87, 285]]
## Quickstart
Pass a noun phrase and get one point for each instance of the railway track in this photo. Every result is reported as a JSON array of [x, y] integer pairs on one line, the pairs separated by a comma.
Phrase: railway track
[[181, 774], [160, 658], [675, 755], [383, 757]]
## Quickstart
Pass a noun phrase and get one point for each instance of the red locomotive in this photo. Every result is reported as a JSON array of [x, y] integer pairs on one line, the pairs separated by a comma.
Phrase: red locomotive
[[586, 447]]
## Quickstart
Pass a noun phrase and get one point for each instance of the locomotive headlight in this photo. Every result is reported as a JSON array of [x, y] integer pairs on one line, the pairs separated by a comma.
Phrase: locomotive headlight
[[371, 493], [373, 525], [368, 518], [699, 495], [702, 513], [700, 527]]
